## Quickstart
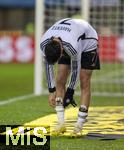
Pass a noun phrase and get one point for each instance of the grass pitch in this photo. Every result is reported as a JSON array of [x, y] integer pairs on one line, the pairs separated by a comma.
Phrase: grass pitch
[[17, 80]]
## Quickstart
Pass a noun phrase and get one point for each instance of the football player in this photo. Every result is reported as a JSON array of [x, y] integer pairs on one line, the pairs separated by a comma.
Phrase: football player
[[73, 44]]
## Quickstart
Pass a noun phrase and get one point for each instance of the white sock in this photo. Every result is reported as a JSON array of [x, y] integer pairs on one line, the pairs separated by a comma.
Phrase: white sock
[[60, 110], [82, 114]]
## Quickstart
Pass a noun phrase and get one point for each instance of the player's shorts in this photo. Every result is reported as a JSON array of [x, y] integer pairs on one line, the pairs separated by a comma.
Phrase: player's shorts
[[89, 60]]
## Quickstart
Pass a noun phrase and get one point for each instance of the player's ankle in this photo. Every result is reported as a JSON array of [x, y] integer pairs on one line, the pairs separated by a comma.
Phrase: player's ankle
[[60, 110], [83, 108], [82, 115]]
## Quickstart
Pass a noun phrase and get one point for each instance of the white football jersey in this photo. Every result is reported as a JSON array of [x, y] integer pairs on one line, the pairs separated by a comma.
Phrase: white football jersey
[[77, 36]]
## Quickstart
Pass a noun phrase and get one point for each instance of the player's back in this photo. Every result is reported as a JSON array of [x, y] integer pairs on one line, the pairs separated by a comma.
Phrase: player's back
[[88, 39], [72, 31], [85, 27], [68, 27]]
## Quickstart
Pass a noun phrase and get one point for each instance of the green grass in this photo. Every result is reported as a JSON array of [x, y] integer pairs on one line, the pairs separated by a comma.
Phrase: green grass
[[27, 110], [110, 78], [20, 112], [64, 143], [17, 80]]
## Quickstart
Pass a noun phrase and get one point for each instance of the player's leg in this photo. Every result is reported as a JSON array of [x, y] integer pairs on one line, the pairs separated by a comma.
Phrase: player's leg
[[62, 76], [85, 80], [89, 62], [85, 77]]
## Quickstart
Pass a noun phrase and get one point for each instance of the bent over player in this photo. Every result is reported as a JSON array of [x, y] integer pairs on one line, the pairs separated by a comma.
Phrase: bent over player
[[73, 43]]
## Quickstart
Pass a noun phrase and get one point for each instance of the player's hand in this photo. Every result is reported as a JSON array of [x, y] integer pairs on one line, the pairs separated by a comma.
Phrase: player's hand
[[68, 98], [52, 97]]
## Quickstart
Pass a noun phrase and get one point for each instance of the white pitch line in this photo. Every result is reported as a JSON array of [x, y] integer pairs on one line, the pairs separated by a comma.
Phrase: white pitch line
[[14, 99]]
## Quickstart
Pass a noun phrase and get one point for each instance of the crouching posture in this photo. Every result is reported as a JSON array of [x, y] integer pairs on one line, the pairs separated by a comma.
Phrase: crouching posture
[[73, 44]]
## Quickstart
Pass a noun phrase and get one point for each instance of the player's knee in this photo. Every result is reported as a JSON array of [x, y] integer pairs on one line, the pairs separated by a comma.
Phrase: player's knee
[[85, 78], [85, 83], [61, 81]]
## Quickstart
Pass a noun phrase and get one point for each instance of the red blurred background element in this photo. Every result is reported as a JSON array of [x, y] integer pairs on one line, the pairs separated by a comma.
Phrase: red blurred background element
[[20, 48]]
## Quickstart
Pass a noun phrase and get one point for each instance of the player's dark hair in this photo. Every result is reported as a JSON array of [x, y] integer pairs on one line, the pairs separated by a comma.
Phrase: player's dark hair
[[52, 51]]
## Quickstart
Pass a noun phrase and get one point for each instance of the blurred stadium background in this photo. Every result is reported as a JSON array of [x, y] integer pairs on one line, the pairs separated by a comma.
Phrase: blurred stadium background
[[22, 23]]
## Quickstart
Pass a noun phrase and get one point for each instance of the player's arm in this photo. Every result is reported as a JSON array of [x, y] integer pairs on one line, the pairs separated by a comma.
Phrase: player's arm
[[51, 83], [75, 69], [49, 75]]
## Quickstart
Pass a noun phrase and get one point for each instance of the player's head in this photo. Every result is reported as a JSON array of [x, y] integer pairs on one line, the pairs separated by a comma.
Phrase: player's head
[[53, 50]]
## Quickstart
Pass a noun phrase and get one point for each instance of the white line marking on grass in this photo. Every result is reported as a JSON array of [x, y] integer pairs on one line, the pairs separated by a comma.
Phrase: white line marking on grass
[[14, 99]]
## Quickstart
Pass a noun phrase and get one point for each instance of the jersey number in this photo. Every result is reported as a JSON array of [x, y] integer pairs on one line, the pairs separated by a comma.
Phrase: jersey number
[[65, 22]]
